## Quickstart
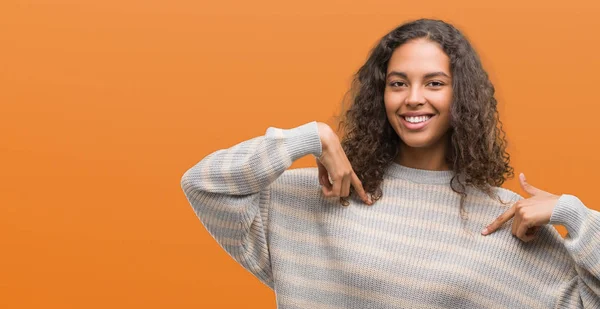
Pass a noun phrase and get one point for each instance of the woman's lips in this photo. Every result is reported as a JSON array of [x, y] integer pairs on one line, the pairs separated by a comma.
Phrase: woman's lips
[[415, 126]]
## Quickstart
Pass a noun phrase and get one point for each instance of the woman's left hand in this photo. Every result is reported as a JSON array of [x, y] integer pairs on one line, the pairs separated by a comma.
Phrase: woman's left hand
[[530, 213]]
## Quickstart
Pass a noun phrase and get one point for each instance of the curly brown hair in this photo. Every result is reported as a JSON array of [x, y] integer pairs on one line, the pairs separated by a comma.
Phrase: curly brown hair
[[477, 146]]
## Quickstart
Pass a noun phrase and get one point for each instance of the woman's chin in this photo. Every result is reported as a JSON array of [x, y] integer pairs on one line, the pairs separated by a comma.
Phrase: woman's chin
[[422, 145], [416, 142]]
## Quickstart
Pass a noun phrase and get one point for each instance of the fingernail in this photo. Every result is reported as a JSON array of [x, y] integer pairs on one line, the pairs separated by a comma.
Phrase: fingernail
[[484, 231], [344, 201]]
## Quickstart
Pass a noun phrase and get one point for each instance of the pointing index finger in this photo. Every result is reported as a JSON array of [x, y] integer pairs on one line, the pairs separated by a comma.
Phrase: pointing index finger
[[499, 221], [359, 189]]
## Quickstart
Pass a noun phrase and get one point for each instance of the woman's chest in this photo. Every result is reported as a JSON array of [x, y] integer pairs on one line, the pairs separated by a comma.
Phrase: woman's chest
[[389, 259]]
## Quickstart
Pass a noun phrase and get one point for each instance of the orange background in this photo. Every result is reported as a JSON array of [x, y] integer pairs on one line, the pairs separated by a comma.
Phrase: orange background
[[105, 104]]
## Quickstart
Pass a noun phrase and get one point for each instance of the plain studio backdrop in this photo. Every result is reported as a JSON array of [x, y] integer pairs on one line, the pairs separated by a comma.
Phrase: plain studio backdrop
[[105, 104]]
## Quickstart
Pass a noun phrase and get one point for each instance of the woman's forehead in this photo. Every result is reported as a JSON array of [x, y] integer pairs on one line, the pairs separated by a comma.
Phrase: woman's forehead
[[419, 57]]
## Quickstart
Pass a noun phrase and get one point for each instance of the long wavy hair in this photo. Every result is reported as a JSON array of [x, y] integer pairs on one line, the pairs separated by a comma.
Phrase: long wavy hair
[[477, 146]]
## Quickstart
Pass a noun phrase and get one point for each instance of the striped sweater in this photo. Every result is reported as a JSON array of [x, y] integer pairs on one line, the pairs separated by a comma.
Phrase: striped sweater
[[410, 249]]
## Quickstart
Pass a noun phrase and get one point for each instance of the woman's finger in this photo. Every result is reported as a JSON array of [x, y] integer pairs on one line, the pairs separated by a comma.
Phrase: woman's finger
[[345, 190], [323, 178], [515, 224], [325, 181], [327, 189], [532, 230], [359, 189], [492, 227], [522, 231], [337, 186], [345, 183]]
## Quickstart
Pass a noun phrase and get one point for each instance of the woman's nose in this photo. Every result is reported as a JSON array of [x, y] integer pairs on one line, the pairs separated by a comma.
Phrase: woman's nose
[[415, 96]]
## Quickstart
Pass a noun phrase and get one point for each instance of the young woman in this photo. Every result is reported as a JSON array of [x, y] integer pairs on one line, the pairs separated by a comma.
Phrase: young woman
[[419, 171]]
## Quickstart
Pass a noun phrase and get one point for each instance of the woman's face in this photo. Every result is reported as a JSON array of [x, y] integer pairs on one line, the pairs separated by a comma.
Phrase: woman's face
[[418, 93]]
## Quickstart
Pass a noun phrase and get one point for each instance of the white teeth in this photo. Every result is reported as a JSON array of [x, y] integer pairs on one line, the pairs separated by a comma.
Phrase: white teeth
[[417, 119]]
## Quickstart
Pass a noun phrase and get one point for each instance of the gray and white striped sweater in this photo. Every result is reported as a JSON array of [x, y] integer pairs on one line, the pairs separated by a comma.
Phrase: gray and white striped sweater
[[410, 249]]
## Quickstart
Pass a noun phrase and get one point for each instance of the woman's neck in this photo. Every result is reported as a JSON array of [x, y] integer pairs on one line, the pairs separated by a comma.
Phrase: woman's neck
[[433, 158]]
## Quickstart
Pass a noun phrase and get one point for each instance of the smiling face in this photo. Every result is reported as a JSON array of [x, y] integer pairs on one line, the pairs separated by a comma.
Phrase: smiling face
[[419, 82]]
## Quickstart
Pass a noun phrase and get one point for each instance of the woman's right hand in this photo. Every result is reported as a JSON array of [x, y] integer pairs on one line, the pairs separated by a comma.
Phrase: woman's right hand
[[333, 163]]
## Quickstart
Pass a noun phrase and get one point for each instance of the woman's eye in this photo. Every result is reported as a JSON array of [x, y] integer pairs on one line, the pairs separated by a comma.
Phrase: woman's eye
[[437, 84], [395, 83]]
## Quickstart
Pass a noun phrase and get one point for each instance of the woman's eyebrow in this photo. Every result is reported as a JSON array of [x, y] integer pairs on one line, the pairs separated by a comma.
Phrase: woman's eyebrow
[[434, 74], [428, 75]]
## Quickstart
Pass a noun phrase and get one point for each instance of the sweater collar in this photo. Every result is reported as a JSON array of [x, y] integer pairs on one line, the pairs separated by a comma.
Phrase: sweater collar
[[419, 175]]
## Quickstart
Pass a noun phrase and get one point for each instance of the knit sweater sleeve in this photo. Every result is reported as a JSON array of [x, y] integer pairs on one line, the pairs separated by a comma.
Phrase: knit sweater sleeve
[[583, 244], [229, 190]]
